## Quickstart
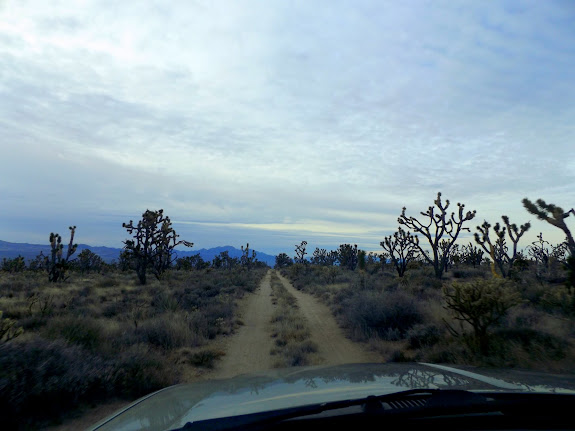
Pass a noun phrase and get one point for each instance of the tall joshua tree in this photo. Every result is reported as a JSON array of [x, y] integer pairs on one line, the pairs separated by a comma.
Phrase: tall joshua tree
[[438, 226]]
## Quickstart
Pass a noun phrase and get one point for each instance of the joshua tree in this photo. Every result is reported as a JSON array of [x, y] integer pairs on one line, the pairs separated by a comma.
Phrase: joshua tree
[[471, 255], [401, 248], [556, 216], [153, 243], [57, 264], [89, 261], [438, 226], [498, 250], [323, 257], [283, 260], [247, 260], [347, 255], [300, 252]]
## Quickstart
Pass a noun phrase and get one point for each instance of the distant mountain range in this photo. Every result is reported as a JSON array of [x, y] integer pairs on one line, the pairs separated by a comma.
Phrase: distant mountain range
[[30, 251]]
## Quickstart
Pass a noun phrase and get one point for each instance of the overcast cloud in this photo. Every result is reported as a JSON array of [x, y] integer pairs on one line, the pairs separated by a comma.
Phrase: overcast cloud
[[273, 122]]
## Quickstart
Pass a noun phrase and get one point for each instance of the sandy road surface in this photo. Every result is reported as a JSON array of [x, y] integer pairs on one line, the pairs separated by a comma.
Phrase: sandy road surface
[[249, 349], [334, 347]]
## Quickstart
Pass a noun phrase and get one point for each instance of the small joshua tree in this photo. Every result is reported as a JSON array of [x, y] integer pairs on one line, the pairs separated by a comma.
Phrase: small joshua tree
[[498, 249], [153, 244], [58, 263], [247, 260], [348, 256], [88, 261], [283, 261], [300, 252], [401, 248], [438, 226]]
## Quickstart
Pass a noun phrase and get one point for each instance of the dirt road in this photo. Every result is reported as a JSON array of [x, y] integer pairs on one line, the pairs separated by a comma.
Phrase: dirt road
[[334, 347], [249, 349]]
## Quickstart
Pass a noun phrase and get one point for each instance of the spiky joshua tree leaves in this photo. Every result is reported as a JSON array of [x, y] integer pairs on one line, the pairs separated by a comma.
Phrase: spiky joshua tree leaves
[[401, 248], [58, 263], [153, 243], [437, 226]]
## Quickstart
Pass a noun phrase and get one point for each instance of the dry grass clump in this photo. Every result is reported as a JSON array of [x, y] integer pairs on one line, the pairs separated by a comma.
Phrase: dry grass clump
[[293, 346]]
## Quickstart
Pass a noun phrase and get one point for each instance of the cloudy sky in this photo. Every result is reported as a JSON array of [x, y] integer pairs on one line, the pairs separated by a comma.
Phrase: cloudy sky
[[273, 122]]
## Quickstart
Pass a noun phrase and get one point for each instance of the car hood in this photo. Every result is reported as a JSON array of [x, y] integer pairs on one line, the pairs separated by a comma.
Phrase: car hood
[[174, 406]]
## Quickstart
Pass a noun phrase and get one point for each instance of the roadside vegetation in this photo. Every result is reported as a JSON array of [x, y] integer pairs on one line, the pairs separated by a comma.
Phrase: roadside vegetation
[[291, 334], [104, 336], [485, 304]]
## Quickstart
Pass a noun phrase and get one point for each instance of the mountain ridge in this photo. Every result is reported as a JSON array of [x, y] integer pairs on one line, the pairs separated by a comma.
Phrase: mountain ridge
[[30, 251]]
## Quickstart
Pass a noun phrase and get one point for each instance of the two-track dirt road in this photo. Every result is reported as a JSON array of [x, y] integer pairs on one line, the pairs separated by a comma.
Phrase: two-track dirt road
[[249, 349]]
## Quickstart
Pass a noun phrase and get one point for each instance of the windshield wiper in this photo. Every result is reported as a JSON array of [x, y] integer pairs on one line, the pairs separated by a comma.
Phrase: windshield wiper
[[414, 402]]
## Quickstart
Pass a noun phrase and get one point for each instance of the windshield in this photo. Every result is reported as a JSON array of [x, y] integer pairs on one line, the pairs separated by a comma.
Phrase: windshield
[[194, 191]]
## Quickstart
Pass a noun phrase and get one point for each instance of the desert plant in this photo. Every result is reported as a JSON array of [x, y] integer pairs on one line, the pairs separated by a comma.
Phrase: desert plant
[[347, 256], [401, 248], [153, 243], [498, 249], [482, 304], [471, 255], [7, 330], [283, 261], [88, 261], [57, 263], [436, 228], [247, 260], [16, 264], [300, 253]]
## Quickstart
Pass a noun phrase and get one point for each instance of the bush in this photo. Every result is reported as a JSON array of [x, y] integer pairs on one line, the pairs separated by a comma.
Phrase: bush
[[85, 332], [168, 332], [42, 379], [388, 315], [423, 336]]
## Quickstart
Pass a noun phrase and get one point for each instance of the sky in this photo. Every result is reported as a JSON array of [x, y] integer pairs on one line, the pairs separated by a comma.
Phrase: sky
[[274, 122]]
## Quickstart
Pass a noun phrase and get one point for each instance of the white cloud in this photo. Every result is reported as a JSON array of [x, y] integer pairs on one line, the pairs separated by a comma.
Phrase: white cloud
[[333, 115]]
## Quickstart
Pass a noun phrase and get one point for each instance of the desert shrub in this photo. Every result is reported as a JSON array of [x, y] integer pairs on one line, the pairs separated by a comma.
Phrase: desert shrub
[[42, 379], [85, 332], [559, 298], [203, 358], [168, 332], [523, 347], [388, 315], [424, 336], [469, 272], [139, 370]]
